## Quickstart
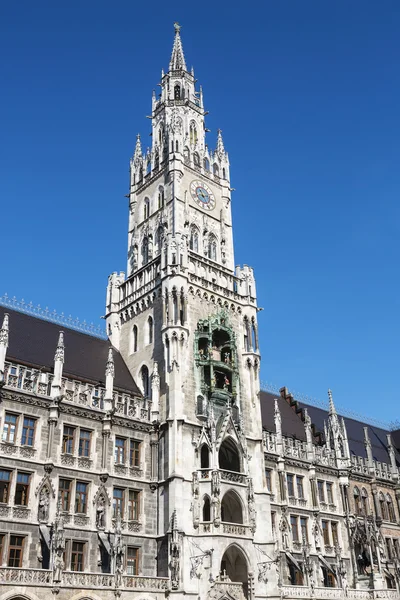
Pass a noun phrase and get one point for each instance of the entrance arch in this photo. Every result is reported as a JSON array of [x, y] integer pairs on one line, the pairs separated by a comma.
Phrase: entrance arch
[[234, 566]]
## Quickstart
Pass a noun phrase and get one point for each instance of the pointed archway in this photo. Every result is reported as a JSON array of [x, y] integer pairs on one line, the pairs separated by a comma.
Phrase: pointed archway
[[234, 566]]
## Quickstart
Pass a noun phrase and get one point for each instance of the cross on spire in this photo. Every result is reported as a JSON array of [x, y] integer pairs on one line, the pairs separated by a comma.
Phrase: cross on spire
[[177, 62]]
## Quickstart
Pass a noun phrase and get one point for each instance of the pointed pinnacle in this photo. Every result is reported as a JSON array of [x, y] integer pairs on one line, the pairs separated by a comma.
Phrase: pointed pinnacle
[[110, 363], [59, 355], [138, 148], [332, 409], [177, 62], [220, 143], [4, 331]]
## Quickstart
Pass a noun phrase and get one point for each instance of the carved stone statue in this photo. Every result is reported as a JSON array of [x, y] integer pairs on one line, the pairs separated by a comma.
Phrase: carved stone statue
[[58, 546], [100, 512], [43, 506]]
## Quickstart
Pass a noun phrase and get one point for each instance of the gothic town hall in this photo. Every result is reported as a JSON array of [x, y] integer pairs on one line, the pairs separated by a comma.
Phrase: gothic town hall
[[148, 463]]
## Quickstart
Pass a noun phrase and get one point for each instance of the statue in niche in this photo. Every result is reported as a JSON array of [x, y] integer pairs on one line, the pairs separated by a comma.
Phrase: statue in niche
[[118, 551], [43, 506], [100, 512], [58, 546]]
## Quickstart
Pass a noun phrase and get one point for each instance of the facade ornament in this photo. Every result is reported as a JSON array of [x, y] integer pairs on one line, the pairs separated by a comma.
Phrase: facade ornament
[[110, 370], [59, 355], [58, 545], [44, 504], [118, 551], [316, 531], [175, 554]]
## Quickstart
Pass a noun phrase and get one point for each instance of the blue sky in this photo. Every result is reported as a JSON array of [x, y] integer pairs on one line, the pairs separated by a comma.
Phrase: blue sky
[[307, 95]]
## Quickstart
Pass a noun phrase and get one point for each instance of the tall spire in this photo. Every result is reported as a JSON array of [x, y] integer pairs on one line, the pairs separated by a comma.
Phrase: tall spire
[[177, 62]]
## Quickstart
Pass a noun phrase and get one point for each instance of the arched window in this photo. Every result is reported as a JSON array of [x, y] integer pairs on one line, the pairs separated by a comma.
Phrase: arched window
[[186, 155], [231, 508], [228, 456], [145, 251], [176, 146], [177, 92], [364, 501], [206, 508], [150, 330], [383, 505], [140, 174], [145, 381], [357, 501], [390, 509], [156, 160], [206, 164], [216, 169], [212, 248], [194, 239], [148, 167], [196, 160], [193, 133], [246, 334], [223, 174], [254, 334], [204, 457], [160, 197], [159, 235], [146, 208], [134, 338]]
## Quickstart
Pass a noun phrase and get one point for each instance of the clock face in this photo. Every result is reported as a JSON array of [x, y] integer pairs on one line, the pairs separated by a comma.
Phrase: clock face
[[202, 195]]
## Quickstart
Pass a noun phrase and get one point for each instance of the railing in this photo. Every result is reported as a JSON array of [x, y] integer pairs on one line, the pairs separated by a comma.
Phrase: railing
[[145, 583], [39, 577], [36, 382], [34, 576], [233, 476], [234, 529], [301, 591]]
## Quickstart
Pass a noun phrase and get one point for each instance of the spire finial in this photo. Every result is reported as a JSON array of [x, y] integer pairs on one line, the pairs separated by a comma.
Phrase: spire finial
[[332, 409], [4, 331], [177, 62], [220, 143], [138, 149], [59, 355]]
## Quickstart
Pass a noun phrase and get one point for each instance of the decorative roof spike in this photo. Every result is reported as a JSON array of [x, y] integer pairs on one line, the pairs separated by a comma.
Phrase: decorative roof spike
[[4, 331], [110, 363], [177, 62], [332, 409], [220, 144], [59, 355], [138, 149]]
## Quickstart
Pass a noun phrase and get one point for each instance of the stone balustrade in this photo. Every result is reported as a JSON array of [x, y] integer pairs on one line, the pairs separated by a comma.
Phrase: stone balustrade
[[235, 529], [43, 577], [233, 477], [301, 591]]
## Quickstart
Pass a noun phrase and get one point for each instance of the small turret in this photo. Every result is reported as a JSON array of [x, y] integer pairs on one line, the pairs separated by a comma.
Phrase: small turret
[[155, 393], [58, 367], [3, 344], [110, 373]]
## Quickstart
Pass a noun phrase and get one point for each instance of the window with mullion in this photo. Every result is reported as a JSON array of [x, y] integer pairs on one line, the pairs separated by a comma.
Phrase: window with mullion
[[132, 561], [28, 431], [268, 479], [2, 543], [321, 490], [68, 440], [329, 492], [78, 556], [295, 528], [22, 489], [134, 453], [300, 487], [304, 529], [119, 451], [5, 484], [325, 533], [335, 535], [64, 494], [15, 551], [290, 484], [134, 505], [10, 428], [81, 497], [84, 443], [118, 502]]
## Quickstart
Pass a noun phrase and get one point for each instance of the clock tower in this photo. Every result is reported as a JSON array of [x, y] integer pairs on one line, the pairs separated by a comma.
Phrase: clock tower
[[185, 320]]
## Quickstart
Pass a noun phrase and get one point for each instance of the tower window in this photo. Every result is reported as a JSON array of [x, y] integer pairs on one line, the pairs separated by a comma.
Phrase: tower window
[[135, 338], [177, 92], [206, 164], [150, 330], [193, 133], [145, 380], [146, 208], [212, 248], [223, 174], [194, 240], [145, 251], [176, 146], [196, 160], [216, 169], [161, 197]]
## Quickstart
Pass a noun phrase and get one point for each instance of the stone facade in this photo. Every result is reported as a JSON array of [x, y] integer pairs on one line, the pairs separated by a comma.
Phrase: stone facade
[[180, 485]]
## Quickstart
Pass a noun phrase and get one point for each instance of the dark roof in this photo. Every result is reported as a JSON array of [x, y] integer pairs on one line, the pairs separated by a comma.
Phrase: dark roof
[[33, 341], [293, 426]]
